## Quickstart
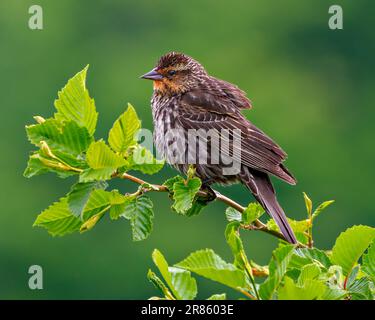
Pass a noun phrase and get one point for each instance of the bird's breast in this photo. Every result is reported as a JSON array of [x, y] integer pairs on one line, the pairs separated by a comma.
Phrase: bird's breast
[[164, 111]]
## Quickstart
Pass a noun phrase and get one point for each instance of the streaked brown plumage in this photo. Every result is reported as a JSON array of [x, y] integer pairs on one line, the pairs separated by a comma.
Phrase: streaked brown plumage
[[187, 97]]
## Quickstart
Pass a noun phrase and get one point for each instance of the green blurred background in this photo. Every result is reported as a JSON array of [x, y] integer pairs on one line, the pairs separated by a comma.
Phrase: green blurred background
[[312, 90]]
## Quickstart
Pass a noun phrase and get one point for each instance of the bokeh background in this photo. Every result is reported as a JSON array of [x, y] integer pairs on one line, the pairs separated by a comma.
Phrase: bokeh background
[[312, 90]]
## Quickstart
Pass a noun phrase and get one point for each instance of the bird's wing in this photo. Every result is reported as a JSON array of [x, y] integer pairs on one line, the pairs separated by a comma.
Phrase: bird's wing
[[256, 149], [218, 96]]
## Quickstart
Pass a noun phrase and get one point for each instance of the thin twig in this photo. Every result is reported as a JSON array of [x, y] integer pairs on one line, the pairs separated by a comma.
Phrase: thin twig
[[247, 294], [257, 224]]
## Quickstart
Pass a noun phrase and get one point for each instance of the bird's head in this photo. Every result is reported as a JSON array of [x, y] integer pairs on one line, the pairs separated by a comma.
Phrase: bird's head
[[175, 73]]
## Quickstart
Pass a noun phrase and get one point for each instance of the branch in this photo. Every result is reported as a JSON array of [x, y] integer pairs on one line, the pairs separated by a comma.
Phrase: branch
[[257, 224]]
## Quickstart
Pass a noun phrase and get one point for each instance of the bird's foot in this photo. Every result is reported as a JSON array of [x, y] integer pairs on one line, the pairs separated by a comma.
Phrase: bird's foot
[[210, 194]]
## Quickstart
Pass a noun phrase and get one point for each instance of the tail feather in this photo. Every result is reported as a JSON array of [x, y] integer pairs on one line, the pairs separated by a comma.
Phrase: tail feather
[[260, 185]]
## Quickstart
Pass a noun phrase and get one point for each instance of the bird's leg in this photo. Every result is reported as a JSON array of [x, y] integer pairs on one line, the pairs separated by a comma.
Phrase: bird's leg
[[210, 193]]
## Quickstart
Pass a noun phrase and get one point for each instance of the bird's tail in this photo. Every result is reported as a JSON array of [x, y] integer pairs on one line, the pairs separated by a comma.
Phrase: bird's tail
[[260, 185]]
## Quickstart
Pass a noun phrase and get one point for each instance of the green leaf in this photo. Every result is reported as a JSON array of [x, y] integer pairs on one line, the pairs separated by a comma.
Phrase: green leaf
[[368, 262], [317, 255], [321, 207], [218, 296], [102, 161], [350, 245], [277, 268], [122, 134], [99, 200], [360, 289], [184, 283], [98, 203], [233, 215], [253, 212], [297, 226], [312, 290], [58, 220], [158, 283], [179, 281], [310, 255], [334, 276], [74, 103], [143, 160], [140, 213], [333, 294], [308, 272], [308, 204], [119, 210], [39, 164], [80, 193], [184, 194], [171, 181], [35, 166], [235, 244], [208, 264], [198, 205], [67, 137]]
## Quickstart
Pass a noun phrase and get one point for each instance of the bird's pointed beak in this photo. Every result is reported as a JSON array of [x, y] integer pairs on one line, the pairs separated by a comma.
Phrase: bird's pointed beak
[[152, 75]]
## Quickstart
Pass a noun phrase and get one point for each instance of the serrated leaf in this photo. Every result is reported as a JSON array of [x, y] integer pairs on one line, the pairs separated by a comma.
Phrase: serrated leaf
[[140, 213], [312, 290], [122, 134], [352, 276], [368, 262], [90, 174], [67, 137], [100, 200], [143, 160], [102, 161], [360, 289], [208, 264], [218, 296], [253, 212], [350, 245], [277, 268], [321, 207], [80, 193], [58, 220], [74, 103], [179, 281], [184, 194], [233, 215]]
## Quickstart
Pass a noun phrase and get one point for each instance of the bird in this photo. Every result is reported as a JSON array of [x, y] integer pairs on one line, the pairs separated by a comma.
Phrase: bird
[[185, 98]]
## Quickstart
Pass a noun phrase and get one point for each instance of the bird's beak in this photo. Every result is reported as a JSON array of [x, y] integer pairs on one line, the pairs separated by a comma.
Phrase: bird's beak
[[152, 75]]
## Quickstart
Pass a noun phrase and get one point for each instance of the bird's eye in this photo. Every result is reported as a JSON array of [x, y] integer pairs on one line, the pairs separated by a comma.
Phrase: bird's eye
[[172, 72]]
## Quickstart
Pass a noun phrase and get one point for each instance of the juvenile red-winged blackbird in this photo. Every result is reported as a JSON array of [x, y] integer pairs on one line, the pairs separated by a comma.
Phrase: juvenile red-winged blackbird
[[186, 97]]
